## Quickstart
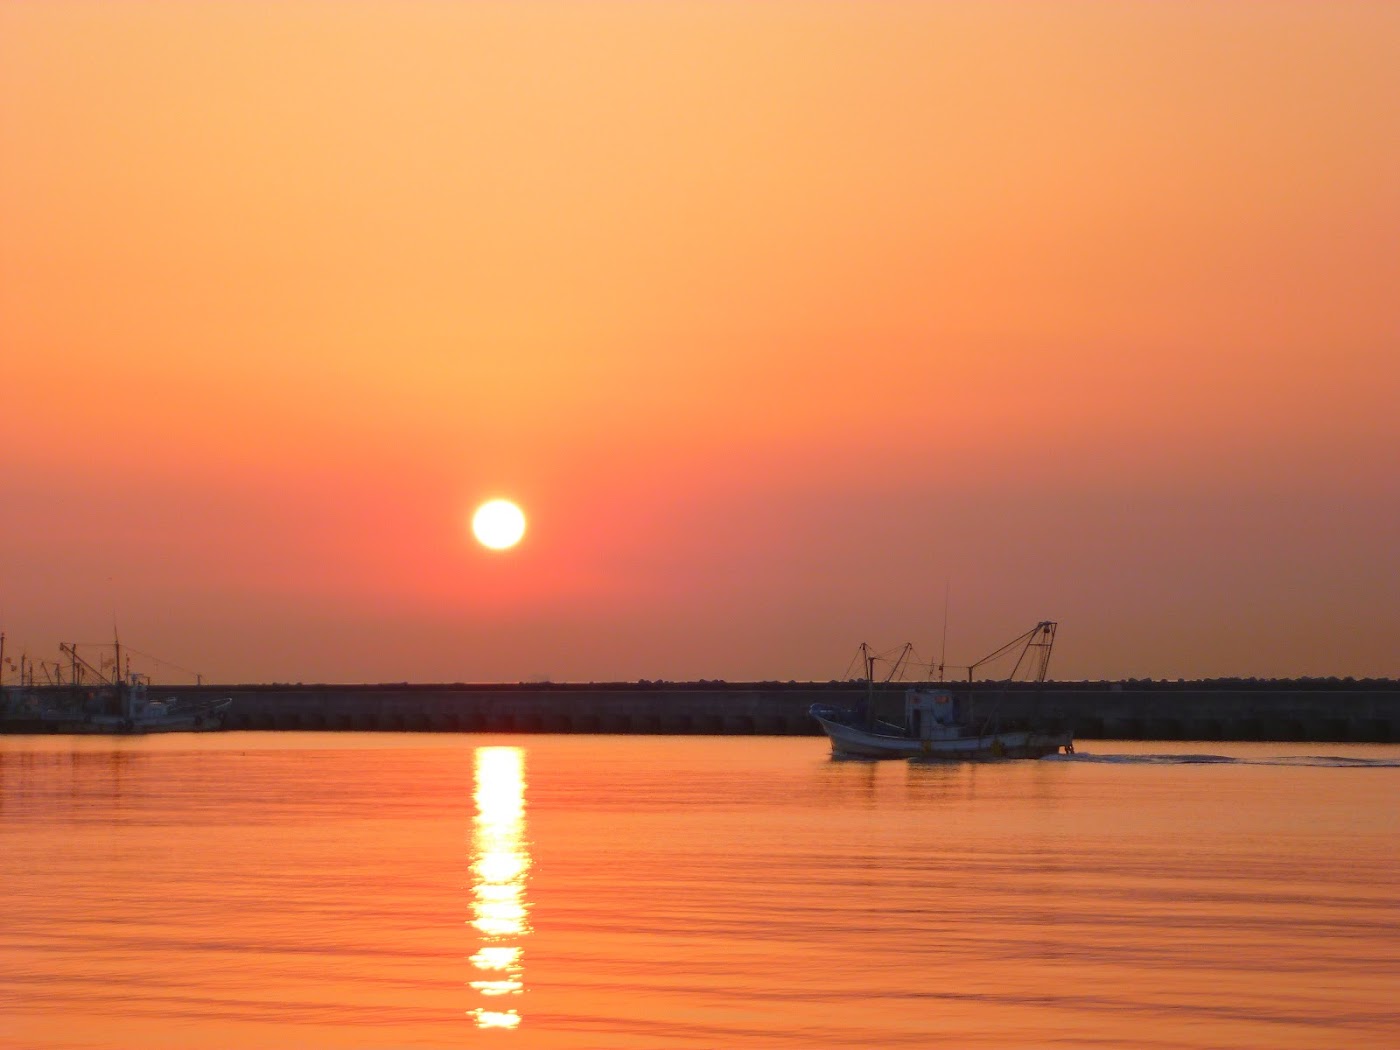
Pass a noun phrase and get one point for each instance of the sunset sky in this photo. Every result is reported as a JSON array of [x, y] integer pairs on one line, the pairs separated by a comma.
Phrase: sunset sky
[[778, 320]]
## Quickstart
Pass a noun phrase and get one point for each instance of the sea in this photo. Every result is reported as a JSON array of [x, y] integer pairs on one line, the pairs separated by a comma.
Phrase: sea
[[431, 891]]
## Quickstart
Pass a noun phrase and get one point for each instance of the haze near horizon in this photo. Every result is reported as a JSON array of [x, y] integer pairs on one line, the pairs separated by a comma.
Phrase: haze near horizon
[[776, 320]]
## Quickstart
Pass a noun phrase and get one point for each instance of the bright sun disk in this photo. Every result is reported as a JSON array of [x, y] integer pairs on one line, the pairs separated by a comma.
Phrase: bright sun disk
[[498, 524]]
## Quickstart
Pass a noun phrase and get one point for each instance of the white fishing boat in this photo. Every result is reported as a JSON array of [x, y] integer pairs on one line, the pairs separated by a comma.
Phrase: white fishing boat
[[93, 701], [937, 723]]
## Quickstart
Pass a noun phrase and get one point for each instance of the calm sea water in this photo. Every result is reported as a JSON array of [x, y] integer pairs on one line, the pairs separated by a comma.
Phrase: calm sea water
[[309, 890]]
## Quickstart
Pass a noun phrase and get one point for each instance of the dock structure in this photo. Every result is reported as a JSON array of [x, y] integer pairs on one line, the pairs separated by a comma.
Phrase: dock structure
[[1231, 709]]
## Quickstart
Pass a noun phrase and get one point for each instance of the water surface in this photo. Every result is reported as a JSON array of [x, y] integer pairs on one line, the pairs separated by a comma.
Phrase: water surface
[[403, 890]]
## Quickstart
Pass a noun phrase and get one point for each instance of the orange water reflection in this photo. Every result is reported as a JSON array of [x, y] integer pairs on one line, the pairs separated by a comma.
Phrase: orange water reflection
[[500, 863]]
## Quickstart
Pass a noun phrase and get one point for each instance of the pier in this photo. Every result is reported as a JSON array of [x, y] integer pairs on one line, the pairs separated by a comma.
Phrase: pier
[[1231, 709]]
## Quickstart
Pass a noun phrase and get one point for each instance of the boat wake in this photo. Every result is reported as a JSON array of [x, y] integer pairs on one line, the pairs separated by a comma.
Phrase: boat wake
[[1318, 761]]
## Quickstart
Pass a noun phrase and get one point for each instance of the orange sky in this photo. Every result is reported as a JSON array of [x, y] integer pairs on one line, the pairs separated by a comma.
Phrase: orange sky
[[776, 318]]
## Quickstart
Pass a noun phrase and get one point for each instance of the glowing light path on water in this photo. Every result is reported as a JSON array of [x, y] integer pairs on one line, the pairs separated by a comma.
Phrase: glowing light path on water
[[500, 862]]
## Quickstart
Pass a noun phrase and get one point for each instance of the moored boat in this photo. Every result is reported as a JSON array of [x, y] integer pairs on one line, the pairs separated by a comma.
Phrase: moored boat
[[91, 701]]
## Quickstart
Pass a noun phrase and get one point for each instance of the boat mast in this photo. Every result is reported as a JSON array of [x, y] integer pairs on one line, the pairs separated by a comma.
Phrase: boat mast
[[869, 658], [119, 679], [2, 658], [70, 649], [1036, 645], [1039, 648]]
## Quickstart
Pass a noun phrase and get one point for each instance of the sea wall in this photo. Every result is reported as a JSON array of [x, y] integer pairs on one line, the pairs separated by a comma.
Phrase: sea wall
[[1317, 710]]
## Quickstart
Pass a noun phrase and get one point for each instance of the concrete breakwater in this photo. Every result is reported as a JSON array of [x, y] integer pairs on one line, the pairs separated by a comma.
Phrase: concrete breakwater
[[1310, 709]]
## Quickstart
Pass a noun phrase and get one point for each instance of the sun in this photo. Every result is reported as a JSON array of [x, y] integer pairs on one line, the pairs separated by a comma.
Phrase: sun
[[498, 524]]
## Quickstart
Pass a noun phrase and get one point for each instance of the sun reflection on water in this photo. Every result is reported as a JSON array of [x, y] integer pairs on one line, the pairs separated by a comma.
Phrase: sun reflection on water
[[500, 862]]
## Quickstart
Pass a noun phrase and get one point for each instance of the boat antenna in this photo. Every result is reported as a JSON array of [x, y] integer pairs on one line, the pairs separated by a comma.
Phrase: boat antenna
[[943, 651], [869, 659]]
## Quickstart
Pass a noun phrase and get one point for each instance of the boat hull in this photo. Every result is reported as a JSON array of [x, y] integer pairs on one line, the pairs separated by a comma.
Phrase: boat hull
[[853, 742]]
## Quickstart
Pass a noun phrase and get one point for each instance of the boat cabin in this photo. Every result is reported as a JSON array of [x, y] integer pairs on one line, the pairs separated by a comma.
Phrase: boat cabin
[[932, 714]]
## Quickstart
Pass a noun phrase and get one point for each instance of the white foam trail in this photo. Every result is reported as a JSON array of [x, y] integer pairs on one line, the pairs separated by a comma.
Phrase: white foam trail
[[1319, 761]]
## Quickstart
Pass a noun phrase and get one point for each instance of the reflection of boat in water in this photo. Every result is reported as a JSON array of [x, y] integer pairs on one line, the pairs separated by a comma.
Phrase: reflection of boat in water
[[939, 724], [91, 701]]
